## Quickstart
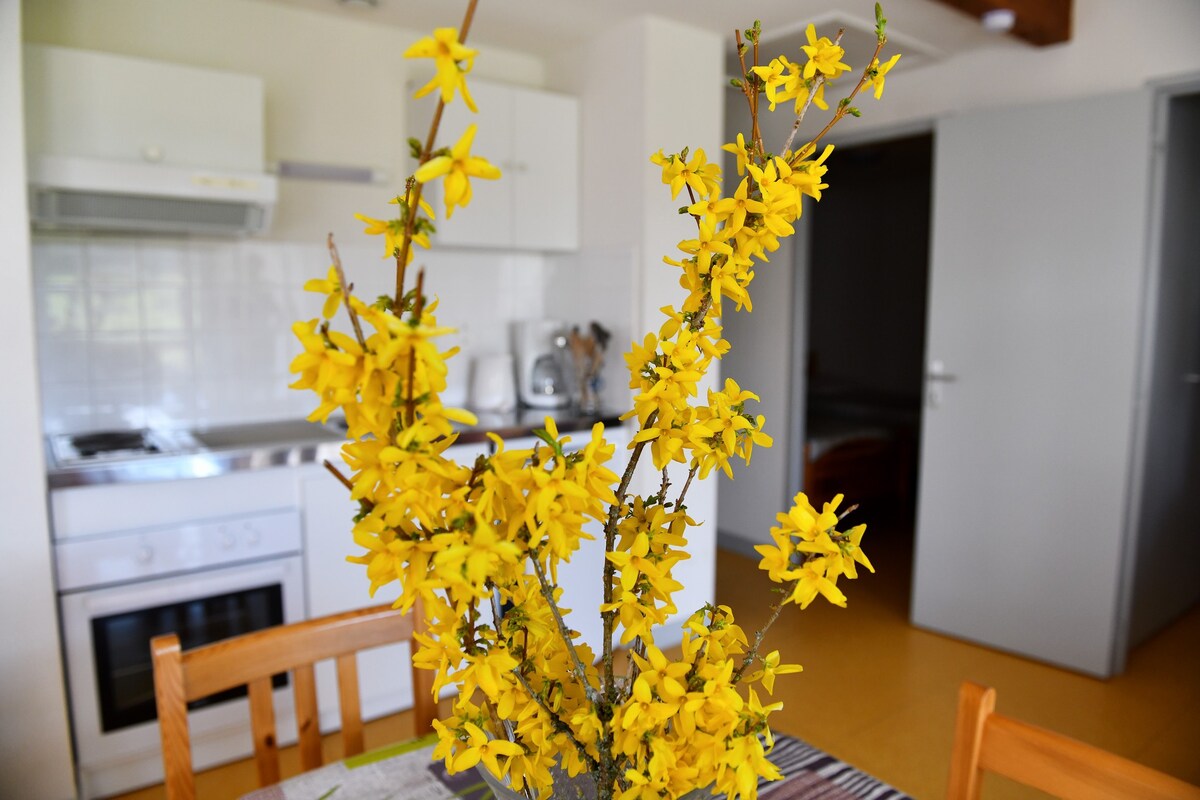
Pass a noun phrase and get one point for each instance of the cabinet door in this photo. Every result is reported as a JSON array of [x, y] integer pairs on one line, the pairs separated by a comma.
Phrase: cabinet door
[[1035, 291], [545, 170], [488, 220], [106, 106]]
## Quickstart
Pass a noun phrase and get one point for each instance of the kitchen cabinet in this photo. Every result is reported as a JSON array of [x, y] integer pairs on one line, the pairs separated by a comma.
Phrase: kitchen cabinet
[[116, 108], [533, 137]]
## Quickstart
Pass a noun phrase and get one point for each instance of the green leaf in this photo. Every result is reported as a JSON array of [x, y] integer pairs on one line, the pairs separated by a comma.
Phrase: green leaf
[[545, 436], [415, 147], [853, 111]]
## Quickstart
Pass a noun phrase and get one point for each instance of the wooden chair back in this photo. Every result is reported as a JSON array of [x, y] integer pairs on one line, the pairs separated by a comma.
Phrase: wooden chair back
[[252, 659], [985, 741]]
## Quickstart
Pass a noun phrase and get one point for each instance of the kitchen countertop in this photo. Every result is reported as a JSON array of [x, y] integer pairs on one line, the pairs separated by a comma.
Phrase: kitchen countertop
[[233, 448]]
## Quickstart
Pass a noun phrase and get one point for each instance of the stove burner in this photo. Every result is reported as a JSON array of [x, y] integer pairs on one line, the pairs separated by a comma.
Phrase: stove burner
[[92, 444]]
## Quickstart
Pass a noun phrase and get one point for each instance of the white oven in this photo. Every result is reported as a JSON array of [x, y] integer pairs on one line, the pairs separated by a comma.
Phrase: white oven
[[204, 577]]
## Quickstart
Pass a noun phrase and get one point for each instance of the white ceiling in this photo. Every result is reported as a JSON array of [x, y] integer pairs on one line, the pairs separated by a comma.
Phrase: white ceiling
[[548, 27]]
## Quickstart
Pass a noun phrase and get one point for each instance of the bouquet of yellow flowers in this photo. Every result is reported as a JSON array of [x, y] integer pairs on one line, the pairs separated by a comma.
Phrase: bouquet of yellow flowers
[[479, 544]]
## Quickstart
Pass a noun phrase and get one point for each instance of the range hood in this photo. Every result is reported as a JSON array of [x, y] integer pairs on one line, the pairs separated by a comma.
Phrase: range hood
[[130, 145], [85, 194]]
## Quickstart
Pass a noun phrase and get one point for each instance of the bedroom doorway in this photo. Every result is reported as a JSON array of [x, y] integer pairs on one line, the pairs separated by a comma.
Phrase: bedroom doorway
[[864, 353]]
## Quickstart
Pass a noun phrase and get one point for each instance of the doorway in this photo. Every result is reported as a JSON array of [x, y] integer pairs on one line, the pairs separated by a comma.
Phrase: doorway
[[864, 354], [1165, 555]]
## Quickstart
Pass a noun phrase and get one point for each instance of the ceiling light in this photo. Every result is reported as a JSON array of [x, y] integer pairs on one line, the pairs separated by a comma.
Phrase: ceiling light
[[999, 20]]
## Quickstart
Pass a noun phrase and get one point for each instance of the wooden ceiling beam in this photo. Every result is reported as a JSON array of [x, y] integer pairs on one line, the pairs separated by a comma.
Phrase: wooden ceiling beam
[[1039, 22]]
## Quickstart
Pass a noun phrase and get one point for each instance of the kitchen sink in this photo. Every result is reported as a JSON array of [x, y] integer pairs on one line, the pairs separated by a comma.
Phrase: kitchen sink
[[263, 433]]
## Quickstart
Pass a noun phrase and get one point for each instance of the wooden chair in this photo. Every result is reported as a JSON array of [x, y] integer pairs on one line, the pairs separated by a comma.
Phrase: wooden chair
[[1048, 761], [251, 660]]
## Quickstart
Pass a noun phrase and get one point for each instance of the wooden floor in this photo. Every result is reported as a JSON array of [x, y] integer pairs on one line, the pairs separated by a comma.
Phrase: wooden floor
[[880, 694]]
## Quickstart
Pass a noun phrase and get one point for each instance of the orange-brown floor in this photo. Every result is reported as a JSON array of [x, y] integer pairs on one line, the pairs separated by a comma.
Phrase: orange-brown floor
[[881, 694]]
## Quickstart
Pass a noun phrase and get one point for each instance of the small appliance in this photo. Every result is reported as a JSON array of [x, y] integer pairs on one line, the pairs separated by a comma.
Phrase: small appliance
[[543, 367], [493, 387]]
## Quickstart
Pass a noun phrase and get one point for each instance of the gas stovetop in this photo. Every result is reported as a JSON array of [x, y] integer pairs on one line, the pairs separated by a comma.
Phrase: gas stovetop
[[85, 448]]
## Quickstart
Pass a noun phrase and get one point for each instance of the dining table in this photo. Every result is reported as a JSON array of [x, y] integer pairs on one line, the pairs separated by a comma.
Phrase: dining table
[[407, 771]]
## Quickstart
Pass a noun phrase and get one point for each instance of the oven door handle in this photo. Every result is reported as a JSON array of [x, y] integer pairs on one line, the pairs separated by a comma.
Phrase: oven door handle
[[183, 588]]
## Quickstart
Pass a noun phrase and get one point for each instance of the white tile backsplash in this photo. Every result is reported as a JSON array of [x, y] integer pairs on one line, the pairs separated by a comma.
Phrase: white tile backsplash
[[191, 333]]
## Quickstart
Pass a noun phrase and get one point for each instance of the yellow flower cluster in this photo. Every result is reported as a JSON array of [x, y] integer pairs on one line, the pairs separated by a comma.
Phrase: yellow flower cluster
[[810, 553], [480, 544]]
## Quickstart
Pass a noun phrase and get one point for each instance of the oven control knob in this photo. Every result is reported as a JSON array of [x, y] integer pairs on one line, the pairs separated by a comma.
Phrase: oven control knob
[[145, 554], [227, 538], [253, 536]]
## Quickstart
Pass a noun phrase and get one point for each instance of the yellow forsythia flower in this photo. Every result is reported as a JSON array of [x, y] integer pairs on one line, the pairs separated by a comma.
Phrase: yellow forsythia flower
[[877, 72], [458, 168], [824, 56], [448, 54]]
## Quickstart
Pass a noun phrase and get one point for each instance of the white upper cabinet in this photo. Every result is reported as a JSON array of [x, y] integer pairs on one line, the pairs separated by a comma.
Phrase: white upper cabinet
[[533, 137], [112, 107]]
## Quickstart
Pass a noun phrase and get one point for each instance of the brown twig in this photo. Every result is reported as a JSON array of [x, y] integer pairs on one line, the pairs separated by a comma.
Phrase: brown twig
[[558, 722], [683, 492], [414, 198], [776, 610], [548, 593], [609, 618], [410, 403], [366, 504], [346, 287], [751, 92], [842, 109]]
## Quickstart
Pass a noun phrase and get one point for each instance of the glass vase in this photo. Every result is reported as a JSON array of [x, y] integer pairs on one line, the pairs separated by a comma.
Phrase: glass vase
[[580, 787]]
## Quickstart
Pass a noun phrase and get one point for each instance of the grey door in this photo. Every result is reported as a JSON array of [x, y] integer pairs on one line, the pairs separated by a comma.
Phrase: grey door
[[1034, 311]]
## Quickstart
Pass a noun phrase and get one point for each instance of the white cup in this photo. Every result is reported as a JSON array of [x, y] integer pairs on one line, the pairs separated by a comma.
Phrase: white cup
[[493, 384]]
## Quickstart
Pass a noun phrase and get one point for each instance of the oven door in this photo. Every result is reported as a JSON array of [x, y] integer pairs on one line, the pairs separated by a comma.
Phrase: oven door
[[106, 635]]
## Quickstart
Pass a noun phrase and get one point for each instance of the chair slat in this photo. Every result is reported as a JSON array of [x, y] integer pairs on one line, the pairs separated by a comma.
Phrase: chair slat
[[262, 727], [234, 662], [425, 705], [166, 656], [308, 722], [1070, 769], [975, 704], [1056, 764], [352, 733]]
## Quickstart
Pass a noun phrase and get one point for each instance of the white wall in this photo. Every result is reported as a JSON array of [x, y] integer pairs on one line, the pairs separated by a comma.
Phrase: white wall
[[35, 751], [1115, 44], [177, 333], [647, 84]]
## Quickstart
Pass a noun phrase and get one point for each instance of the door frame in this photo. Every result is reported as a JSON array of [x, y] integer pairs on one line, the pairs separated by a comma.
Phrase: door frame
[[1164, 92]]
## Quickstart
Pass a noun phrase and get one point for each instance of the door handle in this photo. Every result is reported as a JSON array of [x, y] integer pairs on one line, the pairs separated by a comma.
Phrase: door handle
[[1191, 378], [937, 372], [937, 376]]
